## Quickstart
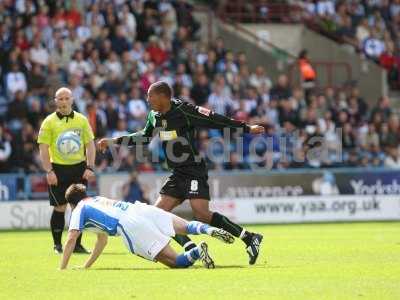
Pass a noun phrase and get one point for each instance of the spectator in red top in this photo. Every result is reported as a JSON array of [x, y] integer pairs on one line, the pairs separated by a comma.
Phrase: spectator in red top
[[73, 15], [390, 62], [148, 78], [59, 19], [21, 41], [387, 59], [157, 54]]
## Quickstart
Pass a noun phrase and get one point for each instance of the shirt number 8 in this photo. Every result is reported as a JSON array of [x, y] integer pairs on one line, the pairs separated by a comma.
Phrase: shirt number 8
[[194, 185]]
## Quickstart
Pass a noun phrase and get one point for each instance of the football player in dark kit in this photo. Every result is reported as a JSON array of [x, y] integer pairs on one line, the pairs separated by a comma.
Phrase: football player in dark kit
[[176, 122]]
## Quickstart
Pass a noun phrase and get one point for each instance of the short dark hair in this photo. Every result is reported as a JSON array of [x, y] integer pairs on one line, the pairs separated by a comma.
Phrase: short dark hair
[[75, 193], [161, 87]]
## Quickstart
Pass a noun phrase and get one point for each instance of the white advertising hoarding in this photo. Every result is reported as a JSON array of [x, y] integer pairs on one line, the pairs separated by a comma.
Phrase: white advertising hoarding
[[310, 209], [26, 214]]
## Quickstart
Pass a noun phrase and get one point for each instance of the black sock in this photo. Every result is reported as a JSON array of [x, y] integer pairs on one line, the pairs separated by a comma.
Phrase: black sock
[[223, 222], [184, 241], [57, 223], [79, 240]]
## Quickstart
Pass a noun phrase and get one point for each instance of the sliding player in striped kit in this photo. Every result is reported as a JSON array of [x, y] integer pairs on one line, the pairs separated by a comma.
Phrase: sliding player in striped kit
[[146, 230]]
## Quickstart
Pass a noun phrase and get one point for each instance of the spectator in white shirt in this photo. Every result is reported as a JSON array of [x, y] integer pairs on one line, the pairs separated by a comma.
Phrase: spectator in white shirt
[[128, 23], [77, 92], [78, 66], [113, 64], [259, 78], [5, 150], [362, 31], [218, 101], [38, 53], [15, 81], [392, 159], [83, 32], [325, 8], [137, 108]]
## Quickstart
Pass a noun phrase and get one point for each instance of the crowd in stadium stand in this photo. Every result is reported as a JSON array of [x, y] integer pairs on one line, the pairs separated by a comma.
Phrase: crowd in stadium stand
[[109, 53], [370, 27]]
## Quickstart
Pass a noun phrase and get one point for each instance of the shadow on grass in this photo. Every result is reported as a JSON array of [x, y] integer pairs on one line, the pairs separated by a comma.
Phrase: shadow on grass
[[130, 269], [193, 267]]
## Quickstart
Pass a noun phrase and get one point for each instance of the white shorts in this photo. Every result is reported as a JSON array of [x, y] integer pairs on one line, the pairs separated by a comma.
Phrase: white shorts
[[146, 230]]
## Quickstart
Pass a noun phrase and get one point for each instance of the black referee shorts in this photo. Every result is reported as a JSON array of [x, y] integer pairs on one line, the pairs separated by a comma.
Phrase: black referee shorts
[[66, 175], [186, 187]]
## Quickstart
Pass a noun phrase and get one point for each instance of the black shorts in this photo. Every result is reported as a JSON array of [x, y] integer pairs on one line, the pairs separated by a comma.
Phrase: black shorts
[[186, 187], [66, 175]]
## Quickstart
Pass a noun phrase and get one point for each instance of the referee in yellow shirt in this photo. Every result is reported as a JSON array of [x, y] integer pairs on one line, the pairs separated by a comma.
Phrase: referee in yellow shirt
[[67, 152]]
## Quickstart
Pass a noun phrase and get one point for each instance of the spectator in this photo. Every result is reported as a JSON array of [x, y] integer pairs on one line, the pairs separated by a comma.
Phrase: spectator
[[281, 90], [392, 159], [259, 78], [15, 81], [36, 81], [5, 150], [307, 72], [200, 90], [119, 41], [133, 191], [78, 66], [38, 53], [218, 101], [158, 55], [390, 62], [137, 109]]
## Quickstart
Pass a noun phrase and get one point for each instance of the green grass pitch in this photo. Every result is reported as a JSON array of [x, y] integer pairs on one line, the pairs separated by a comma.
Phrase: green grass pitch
[[331, 261]]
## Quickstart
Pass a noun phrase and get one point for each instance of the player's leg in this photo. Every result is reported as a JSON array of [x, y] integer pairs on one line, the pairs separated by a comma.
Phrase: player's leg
[[201, 211], [170, 258], [57, 219], [184, 227], [170, 197], [57, 223], [75, 173]]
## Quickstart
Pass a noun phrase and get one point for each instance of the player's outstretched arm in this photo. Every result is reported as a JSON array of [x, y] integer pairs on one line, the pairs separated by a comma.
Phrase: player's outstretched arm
[[69, 247], [101, 243], [141, 137], [203, 117]]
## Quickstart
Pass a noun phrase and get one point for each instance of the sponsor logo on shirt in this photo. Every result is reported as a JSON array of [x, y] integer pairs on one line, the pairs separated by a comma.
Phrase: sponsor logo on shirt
[[204, 111], [168, 135]]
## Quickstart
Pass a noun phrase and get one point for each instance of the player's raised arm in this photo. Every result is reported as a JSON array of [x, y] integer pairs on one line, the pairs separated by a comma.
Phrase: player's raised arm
[[142, 137], [203, 117], [101, 243], [69, 247]]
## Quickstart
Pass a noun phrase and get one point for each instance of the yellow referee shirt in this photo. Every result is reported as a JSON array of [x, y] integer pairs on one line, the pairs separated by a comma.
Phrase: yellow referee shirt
[[66, 137]]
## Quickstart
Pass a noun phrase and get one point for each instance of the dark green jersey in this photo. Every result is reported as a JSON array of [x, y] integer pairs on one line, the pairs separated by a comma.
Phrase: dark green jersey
[[177, 129]]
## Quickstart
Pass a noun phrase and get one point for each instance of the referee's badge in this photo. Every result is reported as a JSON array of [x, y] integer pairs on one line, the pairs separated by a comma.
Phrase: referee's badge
[[164, 123]]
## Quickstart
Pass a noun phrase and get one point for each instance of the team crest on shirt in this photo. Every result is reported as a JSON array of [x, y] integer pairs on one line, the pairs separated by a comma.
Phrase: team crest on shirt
[[69, 142], [164, 123]]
